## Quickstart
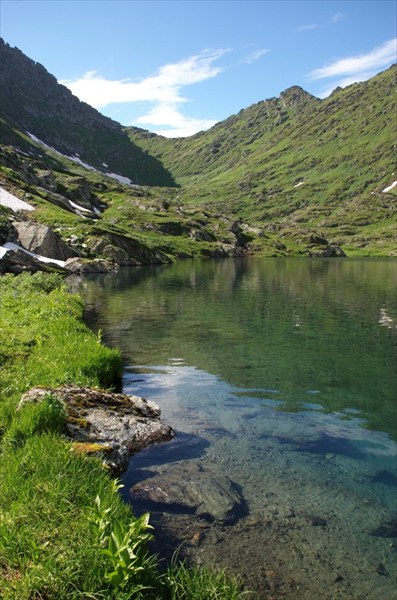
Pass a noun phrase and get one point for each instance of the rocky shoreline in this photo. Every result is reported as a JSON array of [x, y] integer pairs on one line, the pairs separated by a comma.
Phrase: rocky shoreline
[[105, 424]]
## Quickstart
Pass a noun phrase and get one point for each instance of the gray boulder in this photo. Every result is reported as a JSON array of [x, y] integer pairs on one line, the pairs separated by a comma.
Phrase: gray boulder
[[113, 425], [326, 251], [85, 265], [42, 240], [18, 261]]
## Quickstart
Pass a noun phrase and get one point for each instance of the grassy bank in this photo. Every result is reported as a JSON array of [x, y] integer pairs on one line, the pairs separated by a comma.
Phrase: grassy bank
[[64, 530]]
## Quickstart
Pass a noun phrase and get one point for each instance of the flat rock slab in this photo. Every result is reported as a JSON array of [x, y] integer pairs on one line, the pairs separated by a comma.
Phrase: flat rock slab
[[118, 424], [188, 488]]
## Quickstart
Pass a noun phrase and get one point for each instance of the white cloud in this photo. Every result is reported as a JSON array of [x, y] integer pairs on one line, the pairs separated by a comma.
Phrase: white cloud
[[376, 59], [307, 27], [163, 89], [254, 56], [179, 125], [353, 69]]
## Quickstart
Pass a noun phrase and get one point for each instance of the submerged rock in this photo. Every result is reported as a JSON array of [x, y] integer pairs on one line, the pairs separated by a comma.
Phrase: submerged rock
[[115, 425], [188, 488]]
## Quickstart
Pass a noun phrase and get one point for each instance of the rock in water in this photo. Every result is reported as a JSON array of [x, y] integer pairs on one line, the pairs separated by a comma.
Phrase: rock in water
[[186, 487]]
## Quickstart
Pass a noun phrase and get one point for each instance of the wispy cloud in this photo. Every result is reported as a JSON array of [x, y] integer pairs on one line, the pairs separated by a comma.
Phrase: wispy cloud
[[254, 56], [377, 58], [337, 17], [308, 27], [163, 89], [361, 67]]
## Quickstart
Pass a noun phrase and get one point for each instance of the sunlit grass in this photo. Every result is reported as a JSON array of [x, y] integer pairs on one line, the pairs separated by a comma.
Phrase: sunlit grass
[[64, 530]]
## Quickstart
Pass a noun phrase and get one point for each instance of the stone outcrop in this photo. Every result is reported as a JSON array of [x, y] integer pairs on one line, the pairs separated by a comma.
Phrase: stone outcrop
[[42, 240], [85, 265], [325, 251], [187, 487], [113, 425], [18, 261]]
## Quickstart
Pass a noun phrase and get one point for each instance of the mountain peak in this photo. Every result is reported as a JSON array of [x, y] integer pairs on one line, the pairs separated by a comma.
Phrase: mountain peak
[[295, 95]]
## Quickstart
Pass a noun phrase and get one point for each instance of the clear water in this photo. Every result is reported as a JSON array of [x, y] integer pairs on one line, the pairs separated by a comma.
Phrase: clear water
[[280, 374]]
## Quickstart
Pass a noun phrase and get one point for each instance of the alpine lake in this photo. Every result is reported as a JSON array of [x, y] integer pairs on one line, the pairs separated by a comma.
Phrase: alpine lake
[[279, 378]]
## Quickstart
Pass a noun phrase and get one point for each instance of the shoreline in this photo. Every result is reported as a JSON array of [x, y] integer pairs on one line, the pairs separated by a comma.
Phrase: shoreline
[[59, 506]]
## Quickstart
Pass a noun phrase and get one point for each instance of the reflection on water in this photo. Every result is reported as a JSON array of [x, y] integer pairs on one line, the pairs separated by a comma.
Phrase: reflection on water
[[279, 374]]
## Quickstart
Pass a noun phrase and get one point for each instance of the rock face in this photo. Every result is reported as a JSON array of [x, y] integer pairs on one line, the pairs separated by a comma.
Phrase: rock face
[[115, 425], [86, 265], [326, 251], [186, 487], [42, 240], [18, 261], [34, 101]]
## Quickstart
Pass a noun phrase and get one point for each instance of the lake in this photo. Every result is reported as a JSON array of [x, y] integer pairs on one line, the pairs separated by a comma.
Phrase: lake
[[278, 376]]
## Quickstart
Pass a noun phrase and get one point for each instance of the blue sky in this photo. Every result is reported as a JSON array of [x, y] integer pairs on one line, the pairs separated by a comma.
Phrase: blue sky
[[176, 67]]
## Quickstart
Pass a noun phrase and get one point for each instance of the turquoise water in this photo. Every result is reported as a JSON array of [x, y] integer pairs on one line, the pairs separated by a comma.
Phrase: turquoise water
[[281, 375]]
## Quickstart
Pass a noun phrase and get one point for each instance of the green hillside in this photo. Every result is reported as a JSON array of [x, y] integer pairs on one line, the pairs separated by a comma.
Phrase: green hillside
[[296, 163], [289, 175]]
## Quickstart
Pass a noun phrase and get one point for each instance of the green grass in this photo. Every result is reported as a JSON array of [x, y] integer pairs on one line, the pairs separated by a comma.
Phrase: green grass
[[64, 530]]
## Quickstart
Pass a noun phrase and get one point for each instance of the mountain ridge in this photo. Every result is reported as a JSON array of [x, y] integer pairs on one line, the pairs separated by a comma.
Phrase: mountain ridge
[[290, 175]]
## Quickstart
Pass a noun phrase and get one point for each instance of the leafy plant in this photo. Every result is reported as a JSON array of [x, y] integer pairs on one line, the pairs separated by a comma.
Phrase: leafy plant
[[124, 546]]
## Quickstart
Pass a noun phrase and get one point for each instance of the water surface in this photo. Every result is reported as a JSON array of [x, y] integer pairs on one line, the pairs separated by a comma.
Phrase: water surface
[[281, 375]]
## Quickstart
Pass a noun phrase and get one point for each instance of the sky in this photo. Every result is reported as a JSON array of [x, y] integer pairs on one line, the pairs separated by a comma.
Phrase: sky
[[175, 67]]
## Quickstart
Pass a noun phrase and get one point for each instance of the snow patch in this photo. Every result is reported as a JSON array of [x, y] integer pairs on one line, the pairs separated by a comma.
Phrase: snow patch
[[75, 158], [12, 246], [390, 187], [78, 207], [119, 178], [299, 184], [11, 201], [36, 139]]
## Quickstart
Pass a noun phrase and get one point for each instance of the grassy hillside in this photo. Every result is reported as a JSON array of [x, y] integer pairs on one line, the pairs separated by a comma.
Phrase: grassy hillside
[[295, 164], [285, 176]]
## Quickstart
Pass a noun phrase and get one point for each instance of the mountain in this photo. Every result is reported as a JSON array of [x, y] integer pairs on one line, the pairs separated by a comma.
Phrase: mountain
[[33, 101], [297, 163], [286, 176]]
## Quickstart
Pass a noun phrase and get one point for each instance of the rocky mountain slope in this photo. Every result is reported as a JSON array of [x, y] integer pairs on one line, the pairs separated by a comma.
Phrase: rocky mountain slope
[[296, 164], [32, 101], [290, 175]]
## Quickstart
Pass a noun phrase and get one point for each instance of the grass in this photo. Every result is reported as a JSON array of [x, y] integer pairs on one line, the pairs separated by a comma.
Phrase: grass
[[64, 530]]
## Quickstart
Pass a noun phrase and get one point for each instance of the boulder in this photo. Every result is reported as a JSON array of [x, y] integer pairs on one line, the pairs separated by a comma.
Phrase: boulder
[[187, 487], [326, 251], [18, 261], [115, 425], [115, 254], [42, 240], [85, 265]]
